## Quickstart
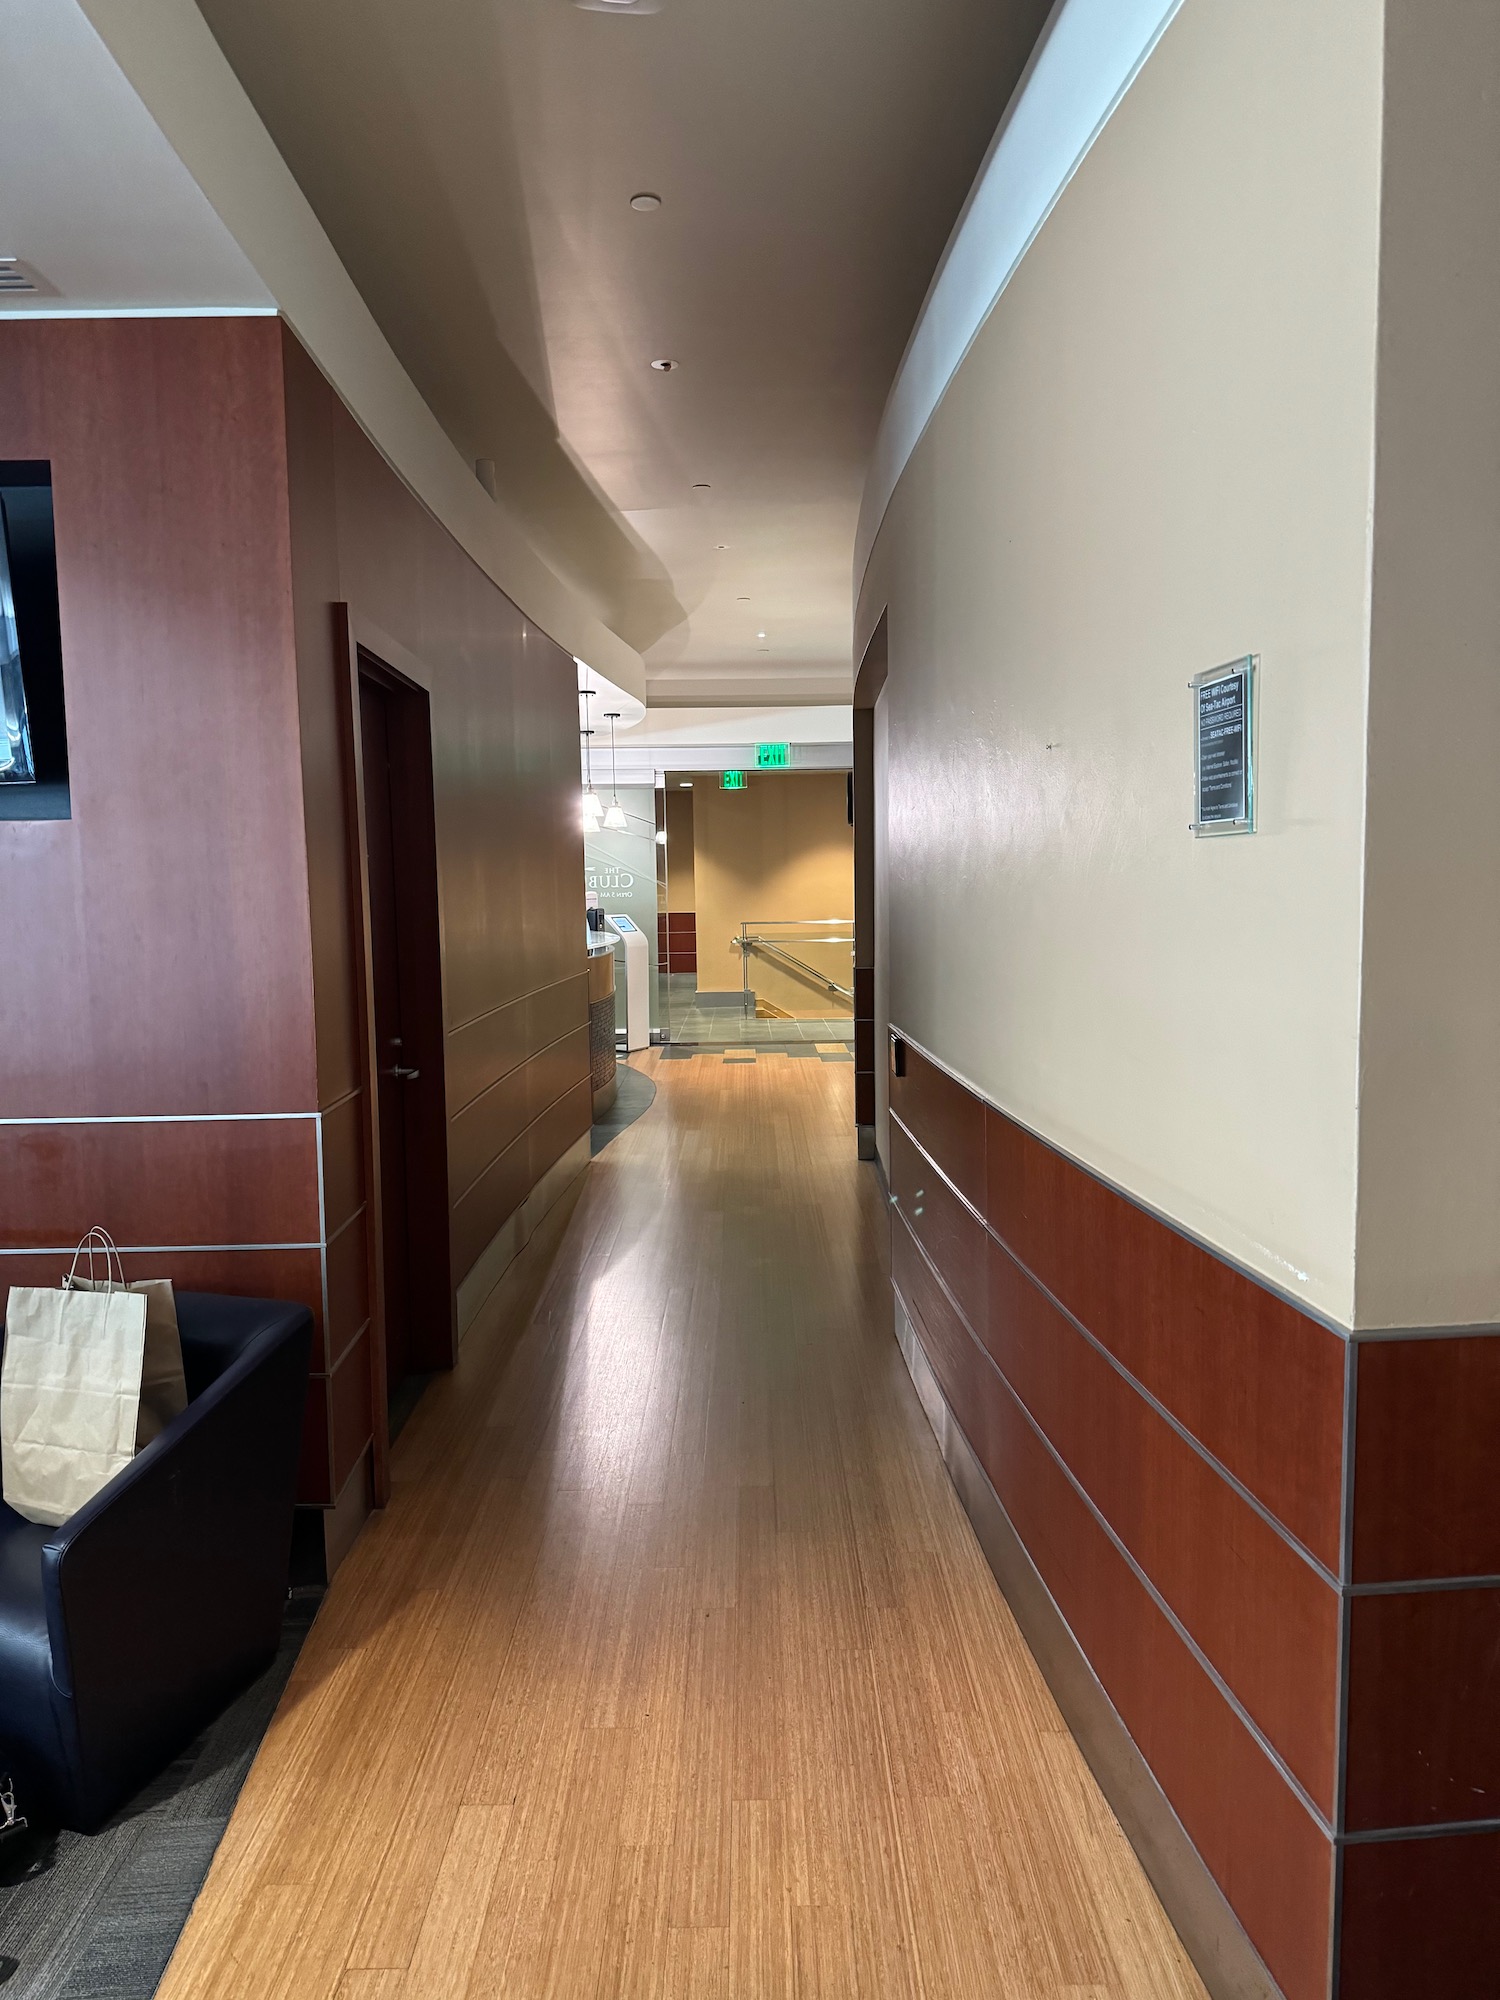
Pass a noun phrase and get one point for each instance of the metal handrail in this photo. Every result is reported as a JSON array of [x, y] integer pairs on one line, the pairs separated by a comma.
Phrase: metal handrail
[[748, 923], [746, 942]]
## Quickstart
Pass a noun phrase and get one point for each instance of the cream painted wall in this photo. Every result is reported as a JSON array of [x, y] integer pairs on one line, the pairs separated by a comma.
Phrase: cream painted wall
[[1429, 1157], [1157, 456], [782, 848]]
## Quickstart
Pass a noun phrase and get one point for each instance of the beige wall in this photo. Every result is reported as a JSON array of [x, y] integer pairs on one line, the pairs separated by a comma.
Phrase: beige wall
[[1157, 456], [781, 848]]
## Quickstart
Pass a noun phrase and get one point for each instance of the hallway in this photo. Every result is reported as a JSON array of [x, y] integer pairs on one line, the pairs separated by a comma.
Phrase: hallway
[[673, 1667]]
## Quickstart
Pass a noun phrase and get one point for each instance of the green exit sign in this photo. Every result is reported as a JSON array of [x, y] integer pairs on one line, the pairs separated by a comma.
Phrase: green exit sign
[[733, 781], [772, 756]]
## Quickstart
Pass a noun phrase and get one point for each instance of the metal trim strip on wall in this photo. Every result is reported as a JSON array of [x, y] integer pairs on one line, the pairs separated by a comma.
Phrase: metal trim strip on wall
[[1273, 1756], [1229, 1964]]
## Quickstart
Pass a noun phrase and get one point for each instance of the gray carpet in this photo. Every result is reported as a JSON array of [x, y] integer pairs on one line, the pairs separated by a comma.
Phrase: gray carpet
[[634, 1094], [95, 1917]]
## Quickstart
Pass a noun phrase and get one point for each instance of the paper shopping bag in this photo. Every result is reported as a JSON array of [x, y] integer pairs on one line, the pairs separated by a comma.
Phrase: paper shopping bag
[[163, 1387], [70, 1389]]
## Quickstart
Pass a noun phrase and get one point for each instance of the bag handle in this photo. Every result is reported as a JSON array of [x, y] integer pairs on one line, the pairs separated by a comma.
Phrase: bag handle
[[100, 1240]]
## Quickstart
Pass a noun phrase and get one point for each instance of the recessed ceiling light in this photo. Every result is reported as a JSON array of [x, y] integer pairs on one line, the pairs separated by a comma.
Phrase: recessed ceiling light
[[684, 784], [760, 635], [644, 203], [702, 486], [721, 545], [742, 600], [663, 366]]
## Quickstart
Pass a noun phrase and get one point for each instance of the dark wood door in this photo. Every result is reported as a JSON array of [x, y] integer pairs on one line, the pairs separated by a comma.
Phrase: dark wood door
[[395, 1067]]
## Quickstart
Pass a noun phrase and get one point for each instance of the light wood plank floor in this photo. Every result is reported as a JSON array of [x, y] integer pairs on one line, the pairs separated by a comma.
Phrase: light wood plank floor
[[673, 1668]]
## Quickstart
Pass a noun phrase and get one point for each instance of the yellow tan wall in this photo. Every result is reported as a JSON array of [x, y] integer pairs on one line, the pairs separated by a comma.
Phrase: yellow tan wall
[[781, 848]]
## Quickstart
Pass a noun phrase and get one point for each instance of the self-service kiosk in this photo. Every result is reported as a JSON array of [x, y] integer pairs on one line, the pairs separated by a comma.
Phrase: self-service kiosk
[[632, 979]]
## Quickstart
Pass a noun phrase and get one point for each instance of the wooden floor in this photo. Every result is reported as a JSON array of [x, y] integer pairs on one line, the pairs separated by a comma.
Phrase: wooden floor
[[673, 1668]]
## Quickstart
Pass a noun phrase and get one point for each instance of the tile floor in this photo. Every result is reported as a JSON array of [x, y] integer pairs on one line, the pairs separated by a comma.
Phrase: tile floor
[[725, 1024]]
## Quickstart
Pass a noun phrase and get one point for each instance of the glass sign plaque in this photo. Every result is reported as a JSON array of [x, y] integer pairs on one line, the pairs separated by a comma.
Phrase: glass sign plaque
[[1224, 748]]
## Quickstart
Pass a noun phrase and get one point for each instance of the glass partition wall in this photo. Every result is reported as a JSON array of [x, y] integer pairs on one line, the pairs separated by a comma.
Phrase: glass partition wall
[[728, 975], [620, 865]]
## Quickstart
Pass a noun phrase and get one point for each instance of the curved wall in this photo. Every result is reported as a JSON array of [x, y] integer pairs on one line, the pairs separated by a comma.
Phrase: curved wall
[[1239, 396], [1156, 456]]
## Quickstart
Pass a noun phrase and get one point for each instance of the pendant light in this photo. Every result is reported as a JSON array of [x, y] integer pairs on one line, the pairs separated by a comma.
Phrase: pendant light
[[593, 812], [614, 818]]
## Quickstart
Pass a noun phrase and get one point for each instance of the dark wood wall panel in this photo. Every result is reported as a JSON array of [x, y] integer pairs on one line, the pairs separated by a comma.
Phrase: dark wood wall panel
[[503, 710], [226, 1181], [491, 1124], [1261, 1613], [1058, 1315], [263, 1274], [952, 1235], [555, 1070], [1424, 1710], [214, 502], [946, 1120], [351, 1415], [315, 1487], [343, 1143], [169, 971], [482, 1051], [485, 1128], [1420, 1919], [314, 423], [560, 1126], [1427, 1417], [1258, 1383], [504, 721], [558, 1010], [483, 1208], [348, 1287], [1257, 1839]]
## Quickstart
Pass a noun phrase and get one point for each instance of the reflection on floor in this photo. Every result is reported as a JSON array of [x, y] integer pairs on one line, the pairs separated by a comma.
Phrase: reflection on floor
[[673, 1671], [838, 1052], [698, 1025], [633, 1094], [730, 1024], [719, 1018]]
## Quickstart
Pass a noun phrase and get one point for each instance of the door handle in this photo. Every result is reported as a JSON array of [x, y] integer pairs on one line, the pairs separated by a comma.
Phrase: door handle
[[403, 1075]]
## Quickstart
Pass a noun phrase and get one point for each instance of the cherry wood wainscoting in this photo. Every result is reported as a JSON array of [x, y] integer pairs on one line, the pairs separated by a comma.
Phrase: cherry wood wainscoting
[[677, 941], [182, 1056], [1275, 1543]]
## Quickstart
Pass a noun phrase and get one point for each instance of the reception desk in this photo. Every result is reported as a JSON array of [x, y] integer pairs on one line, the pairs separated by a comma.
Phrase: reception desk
[[602, 1021]]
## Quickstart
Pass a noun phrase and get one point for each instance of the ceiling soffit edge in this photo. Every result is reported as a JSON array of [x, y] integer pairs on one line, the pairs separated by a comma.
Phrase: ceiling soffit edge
[[170, 58], [1085, 60]]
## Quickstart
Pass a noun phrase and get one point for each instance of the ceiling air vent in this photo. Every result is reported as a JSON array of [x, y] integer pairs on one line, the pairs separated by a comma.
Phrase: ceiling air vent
[[18, 277]]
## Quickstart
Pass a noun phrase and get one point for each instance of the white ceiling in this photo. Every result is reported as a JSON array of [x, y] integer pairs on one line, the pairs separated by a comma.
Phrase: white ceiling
[[472, 162], [91, 193]]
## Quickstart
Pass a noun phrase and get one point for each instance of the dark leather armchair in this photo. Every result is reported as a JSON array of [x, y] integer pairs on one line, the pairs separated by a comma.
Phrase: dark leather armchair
[[126, 1629]]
